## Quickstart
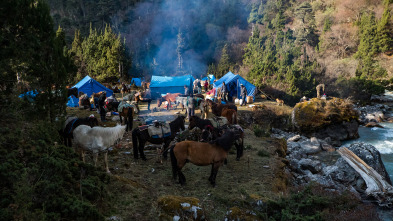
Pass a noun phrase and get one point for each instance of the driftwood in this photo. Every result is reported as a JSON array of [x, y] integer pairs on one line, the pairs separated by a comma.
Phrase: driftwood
[[377, 186]]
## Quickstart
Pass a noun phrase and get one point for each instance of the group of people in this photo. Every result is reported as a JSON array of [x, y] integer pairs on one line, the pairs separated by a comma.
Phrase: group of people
[[223, 91]]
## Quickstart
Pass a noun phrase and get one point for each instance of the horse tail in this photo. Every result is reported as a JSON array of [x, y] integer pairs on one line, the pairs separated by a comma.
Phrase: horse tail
[[234, 120], [173, 162]]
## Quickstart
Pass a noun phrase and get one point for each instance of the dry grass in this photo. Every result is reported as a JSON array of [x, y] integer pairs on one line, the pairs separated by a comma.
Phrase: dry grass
[[136, 186]]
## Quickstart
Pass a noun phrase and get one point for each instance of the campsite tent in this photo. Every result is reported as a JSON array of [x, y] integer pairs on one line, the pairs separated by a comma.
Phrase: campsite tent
[[233, 82], [210, 77], [89, 86], [165, 84], [137, 82]]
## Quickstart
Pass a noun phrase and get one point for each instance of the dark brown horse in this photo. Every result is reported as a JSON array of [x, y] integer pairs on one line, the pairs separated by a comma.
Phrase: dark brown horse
[[72, 123], [142, 136], [217, 108], [214, 133], [169, 98], [201, 154], [128, 114]]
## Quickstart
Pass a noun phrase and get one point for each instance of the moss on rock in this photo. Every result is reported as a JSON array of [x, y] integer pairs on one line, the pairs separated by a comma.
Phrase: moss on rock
[[317, 113], [186, 208]]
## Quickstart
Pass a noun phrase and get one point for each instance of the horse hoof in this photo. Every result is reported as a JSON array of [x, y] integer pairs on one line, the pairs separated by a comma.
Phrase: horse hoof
[[237, 158], [144, 158]]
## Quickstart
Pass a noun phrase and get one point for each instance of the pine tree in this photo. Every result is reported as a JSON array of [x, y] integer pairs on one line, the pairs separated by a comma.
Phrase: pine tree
[[384, 30], [224, 64]]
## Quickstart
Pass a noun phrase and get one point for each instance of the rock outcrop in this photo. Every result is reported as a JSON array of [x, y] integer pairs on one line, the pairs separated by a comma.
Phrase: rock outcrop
[[335, 118], [314, 160]]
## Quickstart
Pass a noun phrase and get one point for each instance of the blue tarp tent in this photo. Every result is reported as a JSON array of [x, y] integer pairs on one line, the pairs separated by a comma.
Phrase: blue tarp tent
[[30, 95], [73, 101], [137, 82], [210, 77], [233, 81], [89, 86], [164, 84]]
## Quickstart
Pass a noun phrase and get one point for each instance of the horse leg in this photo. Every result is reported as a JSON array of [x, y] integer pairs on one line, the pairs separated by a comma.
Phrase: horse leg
[[141, 148], [211, 173], [239, 150], [106, 162], [121, 122], [216, 166]]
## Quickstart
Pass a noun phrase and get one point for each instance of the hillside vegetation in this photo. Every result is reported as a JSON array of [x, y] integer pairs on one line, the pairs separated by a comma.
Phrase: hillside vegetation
[[284, 47]]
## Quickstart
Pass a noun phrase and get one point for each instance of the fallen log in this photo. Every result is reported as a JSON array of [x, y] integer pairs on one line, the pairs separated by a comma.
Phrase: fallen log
[[377, 186]]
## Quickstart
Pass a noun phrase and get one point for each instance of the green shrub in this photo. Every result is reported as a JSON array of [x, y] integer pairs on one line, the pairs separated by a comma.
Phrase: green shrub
[[263, 153]]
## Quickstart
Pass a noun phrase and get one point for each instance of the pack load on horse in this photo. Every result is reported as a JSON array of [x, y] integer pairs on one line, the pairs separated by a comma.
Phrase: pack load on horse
[[97, 139], [71, 123], [214, 127], [84, 101], [201, 154], [140, 136]]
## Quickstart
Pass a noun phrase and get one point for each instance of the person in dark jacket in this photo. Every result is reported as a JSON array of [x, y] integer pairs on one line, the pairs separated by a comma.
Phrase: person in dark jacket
[[243, 94], [224, 92], [101, 105]]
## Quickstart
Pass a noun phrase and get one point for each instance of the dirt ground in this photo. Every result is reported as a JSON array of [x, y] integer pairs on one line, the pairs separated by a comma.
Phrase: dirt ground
[[136, 185]]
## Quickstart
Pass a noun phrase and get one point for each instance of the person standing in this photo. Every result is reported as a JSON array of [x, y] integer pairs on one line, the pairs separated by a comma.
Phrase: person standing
[[186, 90], [199, 86], [243, 94], [206, 85], [101, 104], [224, 92]]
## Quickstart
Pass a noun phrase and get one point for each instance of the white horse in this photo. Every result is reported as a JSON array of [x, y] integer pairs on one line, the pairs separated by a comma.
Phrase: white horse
[[97, 139]]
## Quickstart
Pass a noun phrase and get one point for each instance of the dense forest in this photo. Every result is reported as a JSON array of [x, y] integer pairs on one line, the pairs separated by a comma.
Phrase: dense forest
[[285, 47]]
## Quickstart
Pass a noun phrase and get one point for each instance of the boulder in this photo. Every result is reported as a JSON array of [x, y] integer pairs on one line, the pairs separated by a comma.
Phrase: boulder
[[314, 166], [373, 124], [294, 138], [343, 173], [335, 118], [310, 148]]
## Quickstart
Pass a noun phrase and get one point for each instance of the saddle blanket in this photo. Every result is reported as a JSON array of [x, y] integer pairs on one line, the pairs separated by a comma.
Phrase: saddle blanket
[[218, 121], [163, 130]]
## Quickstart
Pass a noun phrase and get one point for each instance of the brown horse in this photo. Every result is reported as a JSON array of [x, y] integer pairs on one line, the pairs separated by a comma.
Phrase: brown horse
[[217, 108], [230, 114], [169, 98], [201, 154], [206, 125]]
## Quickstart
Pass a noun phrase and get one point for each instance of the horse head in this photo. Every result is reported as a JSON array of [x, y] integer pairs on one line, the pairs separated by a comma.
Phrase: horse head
[[193, 122], [92, 121]]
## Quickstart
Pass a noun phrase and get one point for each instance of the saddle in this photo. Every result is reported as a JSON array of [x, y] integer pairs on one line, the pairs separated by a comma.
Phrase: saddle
[[124, 104], [218, 121], [160, 130]]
